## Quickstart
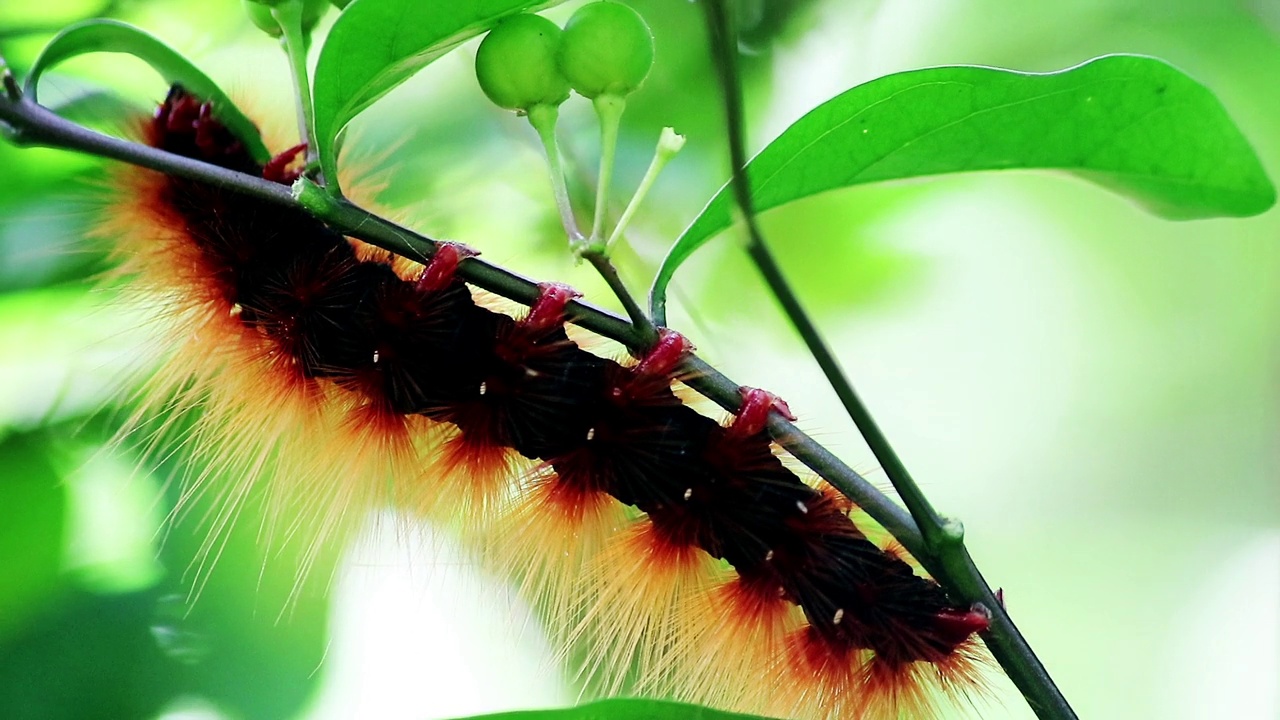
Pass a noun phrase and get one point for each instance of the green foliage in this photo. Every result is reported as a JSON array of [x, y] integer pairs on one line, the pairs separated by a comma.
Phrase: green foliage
[[607, 49], [623, 709], [1135, 125], [113, 36], [90, 657], [1174, 151], [516, 63], [377, 44]]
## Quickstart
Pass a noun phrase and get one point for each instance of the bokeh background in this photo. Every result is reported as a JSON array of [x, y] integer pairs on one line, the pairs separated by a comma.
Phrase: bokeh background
[[1093, 391]]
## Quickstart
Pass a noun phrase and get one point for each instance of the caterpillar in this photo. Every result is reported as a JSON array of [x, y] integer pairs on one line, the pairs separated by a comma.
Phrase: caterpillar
[[683, 556]]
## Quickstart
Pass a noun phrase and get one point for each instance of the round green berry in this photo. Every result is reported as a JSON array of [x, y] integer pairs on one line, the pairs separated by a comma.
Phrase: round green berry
[[261, 16], [607, 49], [312, 11], [516, 63], [259, 12]]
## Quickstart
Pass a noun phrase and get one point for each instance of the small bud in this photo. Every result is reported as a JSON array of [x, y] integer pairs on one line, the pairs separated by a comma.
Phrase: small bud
[[670, 142]]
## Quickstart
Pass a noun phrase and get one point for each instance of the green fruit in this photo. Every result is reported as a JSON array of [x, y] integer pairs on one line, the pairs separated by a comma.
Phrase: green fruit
[[259, 12], [312, 11], [261, 16], [607, 49], [516, 64]]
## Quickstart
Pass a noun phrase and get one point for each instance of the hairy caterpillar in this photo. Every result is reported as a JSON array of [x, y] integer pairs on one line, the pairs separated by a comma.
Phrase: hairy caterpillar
[[683, 554]]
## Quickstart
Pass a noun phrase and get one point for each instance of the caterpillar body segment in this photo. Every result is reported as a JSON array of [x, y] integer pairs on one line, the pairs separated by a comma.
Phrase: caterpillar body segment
[[680, 556]]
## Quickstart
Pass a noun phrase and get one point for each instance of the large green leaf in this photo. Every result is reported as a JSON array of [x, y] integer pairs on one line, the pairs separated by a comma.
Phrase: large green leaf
[[114, 36], [623, 709], [377, 44], [1133, 124]]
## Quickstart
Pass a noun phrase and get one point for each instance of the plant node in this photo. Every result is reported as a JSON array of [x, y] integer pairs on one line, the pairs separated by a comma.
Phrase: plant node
[[11, 88]]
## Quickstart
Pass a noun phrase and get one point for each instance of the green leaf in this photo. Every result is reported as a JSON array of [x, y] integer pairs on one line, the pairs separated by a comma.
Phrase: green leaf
[[113, 36], [88, 104], [623, 709], [1132, 124], [377, 44]]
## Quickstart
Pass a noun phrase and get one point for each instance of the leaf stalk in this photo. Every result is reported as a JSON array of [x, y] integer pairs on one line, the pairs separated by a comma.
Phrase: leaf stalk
[[295, 41]]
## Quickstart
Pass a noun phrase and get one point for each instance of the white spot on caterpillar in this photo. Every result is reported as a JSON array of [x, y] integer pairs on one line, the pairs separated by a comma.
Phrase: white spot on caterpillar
[[530, 372], [484, 387], [838, 616], [768, 556], [236, 309], [616, 392], [591, 434], [803, 508], [376, 356], [688, 493]]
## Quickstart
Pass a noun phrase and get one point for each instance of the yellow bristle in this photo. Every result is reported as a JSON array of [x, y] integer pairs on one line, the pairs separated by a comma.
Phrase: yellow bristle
[[468, 479], [652, 616], [327, 463], [547, 540], [736, 638], [813, 682], [640, 583]]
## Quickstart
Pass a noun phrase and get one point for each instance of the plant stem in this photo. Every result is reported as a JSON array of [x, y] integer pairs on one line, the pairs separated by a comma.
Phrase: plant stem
[[11, 90], [930, 522], [937, 531], [543, 118], [946, 556], [294, 41], [646, 333], [609, 108], [669, 143], [34, 125]]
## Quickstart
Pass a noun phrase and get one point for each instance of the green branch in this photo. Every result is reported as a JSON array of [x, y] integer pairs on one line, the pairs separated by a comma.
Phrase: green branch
[[30, 124], [645, 332], [945, 554], [26, 123]]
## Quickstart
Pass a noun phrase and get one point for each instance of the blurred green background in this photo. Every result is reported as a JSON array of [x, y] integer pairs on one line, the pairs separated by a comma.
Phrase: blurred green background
[[1092, 390]]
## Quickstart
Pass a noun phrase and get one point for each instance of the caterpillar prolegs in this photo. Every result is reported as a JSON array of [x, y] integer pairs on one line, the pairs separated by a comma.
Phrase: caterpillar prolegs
[[685, 556]]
